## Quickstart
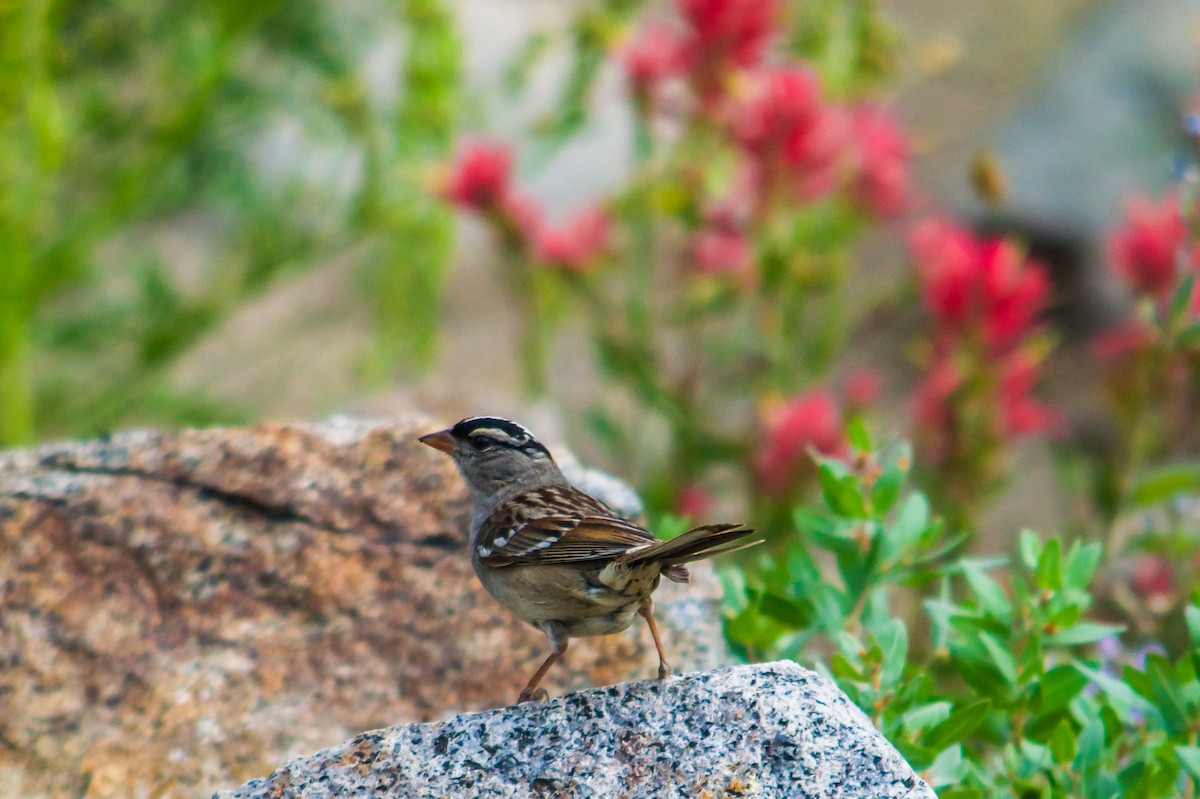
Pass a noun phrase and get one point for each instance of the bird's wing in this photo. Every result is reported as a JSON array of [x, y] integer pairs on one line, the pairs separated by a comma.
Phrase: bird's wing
[[556, 524]]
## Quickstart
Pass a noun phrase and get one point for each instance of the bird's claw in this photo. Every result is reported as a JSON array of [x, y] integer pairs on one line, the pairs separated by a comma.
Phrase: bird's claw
[[540, 695]]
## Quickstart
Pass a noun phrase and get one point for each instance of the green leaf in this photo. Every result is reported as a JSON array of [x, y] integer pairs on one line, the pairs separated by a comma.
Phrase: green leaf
[[831, 605], [850, 645], [1189, 336], [1085, 632], [856, 433], [1182, 298], [1189, 760], [791, 612], [1059, 686], [1089, 746], [925, 716], [919, 757], [911, 520], [844, 669], [991, 596], [1001, 657], [1167, 694], [808, 521], [1062, 742], [1030, 547], [1048, 575], [893, 641], [949, 768], [1118, 691], [961, 793], [886, 490], [1081, 564], [958, 726], [1192, 614], [841, 493], [1139, 681], [1165, 482]]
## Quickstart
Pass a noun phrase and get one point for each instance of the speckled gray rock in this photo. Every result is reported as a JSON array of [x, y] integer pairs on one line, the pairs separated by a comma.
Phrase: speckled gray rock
[[772, 730]]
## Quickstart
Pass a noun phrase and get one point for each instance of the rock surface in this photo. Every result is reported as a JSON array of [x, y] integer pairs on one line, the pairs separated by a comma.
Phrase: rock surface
[[774, 730], [180, 612]]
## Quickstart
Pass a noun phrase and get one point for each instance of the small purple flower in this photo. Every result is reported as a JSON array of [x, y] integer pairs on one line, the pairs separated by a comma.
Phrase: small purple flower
[[1142, 652], [1109, 649]]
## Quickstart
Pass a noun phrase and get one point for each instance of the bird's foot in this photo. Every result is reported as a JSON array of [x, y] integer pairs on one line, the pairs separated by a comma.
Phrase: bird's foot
[[540, 695], [664, 670]]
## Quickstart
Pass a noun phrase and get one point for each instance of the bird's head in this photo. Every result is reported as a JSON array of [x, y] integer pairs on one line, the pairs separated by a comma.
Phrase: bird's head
[[494, 454]]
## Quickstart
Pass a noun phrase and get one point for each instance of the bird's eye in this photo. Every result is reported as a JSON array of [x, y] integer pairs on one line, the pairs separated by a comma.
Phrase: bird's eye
[[483, 443]]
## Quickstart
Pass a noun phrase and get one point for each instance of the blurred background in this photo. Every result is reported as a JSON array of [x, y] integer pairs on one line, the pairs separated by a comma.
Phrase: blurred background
[[233, 211], [771, 259]]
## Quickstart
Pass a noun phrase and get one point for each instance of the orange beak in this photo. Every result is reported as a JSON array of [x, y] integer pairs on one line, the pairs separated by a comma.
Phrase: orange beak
[[440, 440]]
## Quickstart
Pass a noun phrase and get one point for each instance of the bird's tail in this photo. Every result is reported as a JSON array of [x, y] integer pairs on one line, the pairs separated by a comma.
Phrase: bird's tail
[[696, 544]]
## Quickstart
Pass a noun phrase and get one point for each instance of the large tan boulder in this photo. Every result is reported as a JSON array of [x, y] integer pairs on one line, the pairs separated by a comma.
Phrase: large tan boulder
[[183, 611]]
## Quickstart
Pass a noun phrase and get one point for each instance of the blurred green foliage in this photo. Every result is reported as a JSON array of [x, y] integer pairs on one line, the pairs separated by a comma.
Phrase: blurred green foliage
[[986, 675], [162, 164]]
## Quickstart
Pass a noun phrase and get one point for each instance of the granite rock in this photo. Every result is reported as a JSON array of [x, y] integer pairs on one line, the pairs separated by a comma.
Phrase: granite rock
[[182, 611], [773, 730]]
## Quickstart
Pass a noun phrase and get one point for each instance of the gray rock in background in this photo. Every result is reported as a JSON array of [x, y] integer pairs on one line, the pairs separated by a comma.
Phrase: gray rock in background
[[771, 730], [1106, 120]]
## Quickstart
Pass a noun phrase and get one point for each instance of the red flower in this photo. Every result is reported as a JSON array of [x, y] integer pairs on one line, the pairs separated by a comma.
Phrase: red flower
[[1020, 414], [945, 256], [721, 248], [722, 252], [522, 215], [978, 284], [654, 56], [881, 161], [932, 400], [693, 502], [809, 420], [788, 132], [574, 245], [1146, 250], [1154, 581], [479, 177], [863, 387], [1122, 339], [723, 35], [1014, 294]]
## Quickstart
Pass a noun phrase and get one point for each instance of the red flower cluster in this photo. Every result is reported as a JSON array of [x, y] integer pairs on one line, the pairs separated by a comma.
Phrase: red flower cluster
[[797, 145], [479, 180], [1148, 251], [985, 298], [1020, 414], [861, 388], [723, 35], [655, 56], [973, 285], [1153, 580], [880, 158], [1151, 254], [789, 134], [812, 419], [721, 247], [932, 403], [573, 245], [693, 502]]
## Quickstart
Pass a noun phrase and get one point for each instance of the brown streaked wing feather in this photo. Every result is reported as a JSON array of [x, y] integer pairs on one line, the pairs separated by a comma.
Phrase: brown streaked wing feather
[[556, 524]]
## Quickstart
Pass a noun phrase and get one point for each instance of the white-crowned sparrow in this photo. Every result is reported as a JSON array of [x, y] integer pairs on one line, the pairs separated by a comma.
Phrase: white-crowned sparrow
[[555, 556]]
